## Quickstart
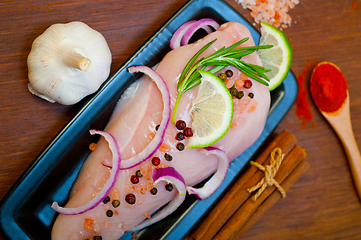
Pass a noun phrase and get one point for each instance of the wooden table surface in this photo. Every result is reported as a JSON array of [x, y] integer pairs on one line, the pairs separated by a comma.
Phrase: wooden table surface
[[321, 205]]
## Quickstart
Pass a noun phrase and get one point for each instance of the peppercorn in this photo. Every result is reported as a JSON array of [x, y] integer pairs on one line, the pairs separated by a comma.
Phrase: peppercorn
[[180, 146], [157, 127], [229, 73], [222, 76], [106, 200], [116, 203], [247, 84], [153, 191], [251, 95], [168, 157], [97, 238], [239, 94], [169, 187], [138, 174], [233, 91], [188, 132], [134, 179], [155, 161], [180, 136], [130, 198], [180, 124], [109, 213]]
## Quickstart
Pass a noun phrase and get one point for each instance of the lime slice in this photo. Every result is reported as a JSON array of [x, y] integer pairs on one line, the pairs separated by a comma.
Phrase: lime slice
[[212, 111], [278, 59]]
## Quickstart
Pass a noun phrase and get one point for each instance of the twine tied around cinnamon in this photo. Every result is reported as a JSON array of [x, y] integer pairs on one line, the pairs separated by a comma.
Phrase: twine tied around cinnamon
[[270, 171]]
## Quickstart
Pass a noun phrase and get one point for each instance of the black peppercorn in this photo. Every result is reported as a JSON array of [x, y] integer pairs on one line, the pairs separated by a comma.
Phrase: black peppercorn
[[109, 213], [169, 187], [97, 238], [168, 157], [180, 136], [106, 200], [251, 95], [180, 146], [153, 191], [157, 127], [229, 73]]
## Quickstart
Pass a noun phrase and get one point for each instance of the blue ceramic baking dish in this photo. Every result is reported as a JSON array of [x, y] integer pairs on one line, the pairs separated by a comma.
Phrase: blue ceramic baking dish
[[25, 211]]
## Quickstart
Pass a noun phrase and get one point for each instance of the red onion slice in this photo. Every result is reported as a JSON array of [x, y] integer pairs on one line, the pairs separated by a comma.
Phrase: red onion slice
[[170, 175], [113, 145], [152, 147], [194, 28], [179, 33], [217, 179]]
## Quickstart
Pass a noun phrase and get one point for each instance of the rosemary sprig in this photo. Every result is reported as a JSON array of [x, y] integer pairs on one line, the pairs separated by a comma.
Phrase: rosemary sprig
[[222, 58]]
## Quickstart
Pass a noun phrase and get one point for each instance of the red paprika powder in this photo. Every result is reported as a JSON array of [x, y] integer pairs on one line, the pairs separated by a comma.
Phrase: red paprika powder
[[302, 108], [328, 87]]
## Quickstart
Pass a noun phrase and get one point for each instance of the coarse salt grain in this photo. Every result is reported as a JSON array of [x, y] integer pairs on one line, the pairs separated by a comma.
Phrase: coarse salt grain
[[274, 12]]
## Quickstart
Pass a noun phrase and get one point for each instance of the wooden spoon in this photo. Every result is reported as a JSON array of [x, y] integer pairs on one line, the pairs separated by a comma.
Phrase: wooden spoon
[[340, 121]]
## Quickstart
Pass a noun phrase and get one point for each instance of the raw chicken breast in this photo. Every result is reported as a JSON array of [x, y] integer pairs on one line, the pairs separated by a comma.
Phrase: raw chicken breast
[[134, 123]]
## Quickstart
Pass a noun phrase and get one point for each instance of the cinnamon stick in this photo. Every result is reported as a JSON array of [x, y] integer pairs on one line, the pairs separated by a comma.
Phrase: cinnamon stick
[[275, 196], [249, 207], [238, 194]]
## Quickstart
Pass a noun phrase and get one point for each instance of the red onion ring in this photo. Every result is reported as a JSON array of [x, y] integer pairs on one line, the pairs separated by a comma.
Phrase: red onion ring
[[217, 179], [179, 34], [194, 28], [113, 145], [159, 135], [170, 175]]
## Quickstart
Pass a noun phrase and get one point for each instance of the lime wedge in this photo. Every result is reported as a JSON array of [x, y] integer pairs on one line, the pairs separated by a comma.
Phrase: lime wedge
[[278, 59], [212, 111]]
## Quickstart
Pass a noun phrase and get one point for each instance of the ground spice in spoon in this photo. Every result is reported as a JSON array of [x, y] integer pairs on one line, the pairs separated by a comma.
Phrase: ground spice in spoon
[[328, 87]]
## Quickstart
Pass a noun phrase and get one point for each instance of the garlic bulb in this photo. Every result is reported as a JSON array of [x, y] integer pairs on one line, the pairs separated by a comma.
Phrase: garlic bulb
[[68, 62]]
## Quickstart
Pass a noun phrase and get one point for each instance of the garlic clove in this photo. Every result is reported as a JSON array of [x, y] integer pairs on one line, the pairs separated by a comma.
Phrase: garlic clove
[[68, 62]]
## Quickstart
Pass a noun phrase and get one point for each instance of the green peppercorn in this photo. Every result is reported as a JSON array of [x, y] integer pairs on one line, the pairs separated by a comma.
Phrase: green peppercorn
[[116, 203], [169, 187], [106, 200], [233, 91], [229, 73], [222, 76], [240, 94], [138, 173], [109, 213], [153, 191]]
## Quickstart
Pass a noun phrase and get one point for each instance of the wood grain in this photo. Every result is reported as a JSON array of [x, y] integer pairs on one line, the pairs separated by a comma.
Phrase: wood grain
[[321, 205]]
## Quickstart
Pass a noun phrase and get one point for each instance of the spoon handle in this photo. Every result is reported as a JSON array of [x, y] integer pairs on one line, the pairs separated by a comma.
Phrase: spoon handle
[[353, 155]]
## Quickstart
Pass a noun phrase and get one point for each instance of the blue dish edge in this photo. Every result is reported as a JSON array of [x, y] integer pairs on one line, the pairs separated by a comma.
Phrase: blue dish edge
[[200, 207]]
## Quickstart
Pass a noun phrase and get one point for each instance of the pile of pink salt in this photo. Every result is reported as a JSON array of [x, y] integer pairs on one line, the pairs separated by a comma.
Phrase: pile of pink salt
[[274, 12]]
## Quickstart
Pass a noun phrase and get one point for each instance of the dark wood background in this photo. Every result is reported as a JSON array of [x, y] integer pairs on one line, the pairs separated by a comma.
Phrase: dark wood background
[[321, 205]]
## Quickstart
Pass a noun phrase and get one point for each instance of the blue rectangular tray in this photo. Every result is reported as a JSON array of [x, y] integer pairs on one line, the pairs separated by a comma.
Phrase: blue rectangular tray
[[25, 211]]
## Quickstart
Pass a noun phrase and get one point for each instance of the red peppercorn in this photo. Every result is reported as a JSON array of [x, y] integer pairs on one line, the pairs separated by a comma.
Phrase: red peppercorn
[[156, 161], [180, 124], [130, 198], [247, 84], [188, 132], [134, 179]]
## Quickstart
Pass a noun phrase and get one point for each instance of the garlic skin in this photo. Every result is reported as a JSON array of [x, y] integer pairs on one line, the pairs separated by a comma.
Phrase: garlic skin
[[68, 62]]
